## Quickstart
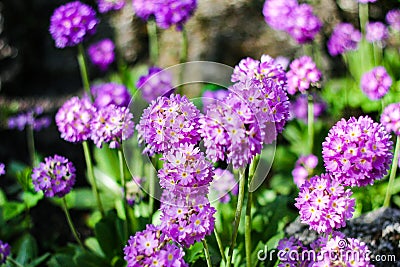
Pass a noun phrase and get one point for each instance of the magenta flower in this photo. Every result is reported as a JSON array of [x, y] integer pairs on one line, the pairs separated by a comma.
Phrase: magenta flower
[[366, 1], [344, 38], [156, 83], [357, 151], [105, 94], [223, 183], [376, 83], [102, 54], [55, 176], [212, 97], [71, 23], [324, 204], [109, 5], [304, 168], [376, 32], [276, 13], [303, 73], [5, 251], [393, 19], [2, 169], [29, 118], [287, 248], [299, 107], [390, 118]]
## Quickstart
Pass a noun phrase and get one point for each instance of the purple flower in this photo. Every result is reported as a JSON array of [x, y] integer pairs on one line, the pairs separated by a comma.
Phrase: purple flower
[[276, 13], [55, 176], [288, 247], [366, 1], [167, 123], [5, 251], [110, 93], [357, 151], [111, 124], [376, 83], [71, 23], [102, 54], [30, 119], [304, 168], [376, 32], [390, 118], [212, 97], [299, 107], [344, 38], [302, 24], [393, 19], [303, 73], [186, 218], [2, 169], [324, 204], [134, 191], [156, 83], [223, 183], [166, 13], [151, 247], [73, 119], [108, 5]]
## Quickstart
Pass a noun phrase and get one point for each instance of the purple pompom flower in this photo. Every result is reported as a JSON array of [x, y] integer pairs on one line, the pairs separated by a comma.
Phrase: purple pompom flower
[[376, 83], [357, 151], [111, 124], [212, 97], [376, 32], [157, 82], [393, 19], [73, 119], [2, 169], [71, 23], [109, 5], [102, 54], [303, 73], [299, 107], [366, 1], [55, 176], [324, 204], [29, 118], [344, 38], [276, 13], [151, 247], [390, 118], [5, 251], [302, 24], [304, 168], [167, 123], [223, 183], [110, 93]]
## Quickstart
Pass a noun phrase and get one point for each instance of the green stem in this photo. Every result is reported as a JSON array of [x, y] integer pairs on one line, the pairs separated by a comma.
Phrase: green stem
[[207, 253], [310, 123], [152, 189], [377, 54], [71, 224], [363, 16], [221, 248], [31, 145], [238, 214], [83, 69], [16, 263], [392, 173], [153, 41], [123, 182], [92, 180], [183, 58]]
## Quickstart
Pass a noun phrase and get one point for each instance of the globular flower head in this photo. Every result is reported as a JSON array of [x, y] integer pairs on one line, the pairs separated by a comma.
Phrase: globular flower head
[[302, 24], [157, 82], [111, 124], [71, 23], [151, 247], [5, 251], [344, 38], [390, 118], [376, 32], [186, 218], [357, 151], [324, 204], [366, 1], [299, 107], [109, 5], [30, 118], [73, 119], [304, 168], [55, 176], [105, 94], [2, 169], [167, 123], [223, 183], [276, 13], [376, 83], [303, 73], [102, 53], [212, 97], [393, 19]]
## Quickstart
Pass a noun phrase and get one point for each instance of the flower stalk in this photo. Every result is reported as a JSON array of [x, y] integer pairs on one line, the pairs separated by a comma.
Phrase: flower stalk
[[83, 69], [153, 41], [206, 253], [71, 224], [393, 170], [310, 123]]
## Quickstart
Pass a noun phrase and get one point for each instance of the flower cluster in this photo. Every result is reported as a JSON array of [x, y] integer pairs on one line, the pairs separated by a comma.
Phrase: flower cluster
[[29, 118], [111, 124], [390, 118], [105, 6], [376, 83], [366, 1], [150, 247], [357, 151], [71, 23], [157, 82], [303, 73], [166, 13], [102, 54], [5, 251], [212, 97], [2, 169], [298, 20], [55, 176], [105, 94], [167, 123], [393, 19], [344, 38], [287, 247], [299, 107], [376, 32], [304, 168], [223, 183], [324, 204]]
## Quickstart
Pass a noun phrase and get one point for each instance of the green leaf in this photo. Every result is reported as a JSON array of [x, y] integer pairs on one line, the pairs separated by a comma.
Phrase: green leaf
[[194, 252], [38, 261], [61, 260], [90, 260], [27, 249], [94, 246], [12, 209], [31, 199]]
